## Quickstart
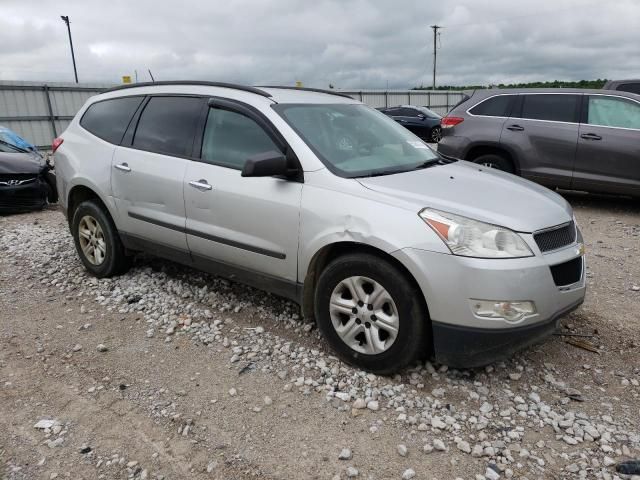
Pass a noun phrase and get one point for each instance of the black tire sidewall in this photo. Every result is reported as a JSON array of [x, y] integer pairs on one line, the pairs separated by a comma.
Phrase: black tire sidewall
[[112, 262], [501, 162], [411, 340]]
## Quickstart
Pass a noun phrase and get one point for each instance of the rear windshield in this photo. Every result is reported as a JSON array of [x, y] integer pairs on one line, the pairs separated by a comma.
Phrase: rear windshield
[[354, 140]]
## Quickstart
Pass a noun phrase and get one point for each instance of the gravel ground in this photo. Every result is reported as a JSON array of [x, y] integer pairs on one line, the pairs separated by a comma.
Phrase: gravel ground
[[166, 372]]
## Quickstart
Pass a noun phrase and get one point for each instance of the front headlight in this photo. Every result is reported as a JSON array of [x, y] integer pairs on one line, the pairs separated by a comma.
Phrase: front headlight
[[471, 238]]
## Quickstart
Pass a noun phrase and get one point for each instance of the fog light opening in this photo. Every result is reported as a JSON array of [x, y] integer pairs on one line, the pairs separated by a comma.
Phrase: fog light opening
[[502, 309]]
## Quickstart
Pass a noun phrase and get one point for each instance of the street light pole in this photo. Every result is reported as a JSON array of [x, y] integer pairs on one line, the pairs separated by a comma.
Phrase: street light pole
[[65, 19]]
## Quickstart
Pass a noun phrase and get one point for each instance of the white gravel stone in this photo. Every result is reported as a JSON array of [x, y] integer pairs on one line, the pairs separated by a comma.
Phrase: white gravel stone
[[373, 405], [352, 472], [408, 474], [345, 454], [402, 450]]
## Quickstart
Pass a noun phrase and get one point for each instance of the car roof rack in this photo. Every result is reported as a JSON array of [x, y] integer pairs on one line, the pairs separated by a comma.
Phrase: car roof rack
[[234, 86], [304, 89]]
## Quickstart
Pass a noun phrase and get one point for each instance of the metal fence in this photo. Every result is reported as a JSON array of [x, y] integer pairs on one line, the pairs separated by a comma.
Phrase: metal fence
[[437, 100], [40, 112]]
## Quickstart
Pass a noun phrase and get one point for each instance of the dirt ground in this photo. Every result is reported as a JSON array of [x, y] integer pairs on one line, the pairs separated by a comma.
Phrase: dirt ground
[[147, 407]]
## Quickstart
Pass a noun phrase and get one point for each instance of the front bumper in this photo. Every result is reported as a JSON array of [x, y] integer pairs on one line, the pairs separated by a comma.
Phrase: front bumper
[[23, 198], [450, 284]]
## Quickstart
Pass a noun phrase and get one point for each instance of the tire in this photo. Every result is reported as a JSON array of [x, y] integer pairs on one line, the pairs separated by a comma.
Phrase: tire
[[99, 232], [392, 351], [495, 160], [436, 134]]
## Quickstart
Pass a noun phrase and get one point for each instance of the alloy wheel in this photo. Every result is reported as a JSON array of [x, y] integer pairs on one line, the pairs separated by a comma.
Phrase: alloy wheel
[[92, 242]]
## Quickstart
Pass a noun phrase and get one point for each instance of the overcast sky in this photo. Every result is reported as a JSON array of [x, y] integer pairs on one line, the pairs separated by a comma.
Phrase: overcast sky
[[350, 44]]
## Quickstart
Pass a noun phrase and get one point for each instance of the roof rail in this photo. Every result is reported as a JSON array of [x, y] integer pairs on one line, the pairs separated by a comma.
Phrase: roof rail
[[234, 86], [304, 89]]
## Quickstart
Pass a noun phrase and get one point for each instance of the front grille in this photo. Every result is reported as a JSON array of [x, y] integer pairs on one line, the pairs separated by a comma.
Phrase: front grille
[[567, 273], [16, 179], [556, 238]]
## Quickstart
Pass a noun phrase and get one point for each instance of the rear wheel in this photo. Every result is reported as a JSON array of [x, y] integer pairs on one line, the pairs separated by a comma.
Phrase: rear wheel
[[495, 160], [97, 241], [371, 313]]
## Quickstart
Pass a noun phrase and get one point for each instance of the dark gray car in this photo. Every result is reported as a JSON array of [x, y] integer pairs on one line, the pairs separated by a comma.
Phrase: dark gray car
[[632, 86], [574, 139]]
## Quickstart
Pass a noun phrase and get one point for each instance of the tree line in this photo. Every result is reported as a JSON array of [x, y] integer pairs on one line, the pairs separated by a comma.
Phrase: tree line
[[599, 83]]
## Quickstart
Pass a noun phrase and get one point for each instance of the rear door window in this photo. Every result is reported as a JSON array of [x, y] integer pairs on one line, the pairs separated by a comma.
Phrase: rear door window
[[109, 119], [168, 124], [409, 112], [498, 106], [613, 112], [551, 107]]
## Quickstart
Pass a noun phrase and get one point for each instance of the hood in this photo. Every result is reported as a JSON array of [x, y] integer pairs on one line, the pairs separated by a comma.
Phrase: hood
[[484, 194], [21, 163]]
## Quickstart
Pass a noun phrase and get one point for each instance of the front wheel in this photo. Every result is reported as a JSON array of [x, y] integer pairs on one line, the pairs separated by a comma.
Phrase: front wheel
[[436, 134], [371, 313], [97, 241]]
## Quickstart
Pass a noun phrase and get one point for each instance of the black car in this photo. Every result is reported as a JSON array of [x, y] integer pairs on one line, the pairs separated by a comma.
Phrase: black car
[[420, 120], [26, 179]]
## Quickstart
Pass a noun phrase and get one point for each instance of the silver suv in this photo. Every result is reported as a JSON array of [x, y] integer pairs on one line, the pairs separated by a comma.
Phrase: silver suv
[[395, 251], [565, 138]]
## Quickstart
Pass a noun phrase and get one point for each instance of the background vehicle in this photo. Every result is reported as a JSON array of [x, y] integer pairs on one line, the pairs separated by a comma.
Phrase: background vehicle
[[26, 180], [631, 86], [573, 139], [420, 120], [392, 249]]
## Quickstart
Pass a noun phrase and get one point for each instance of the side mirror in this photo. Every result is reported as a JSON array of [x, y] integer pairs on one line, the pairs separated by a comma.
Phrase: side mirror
[[267, 164]]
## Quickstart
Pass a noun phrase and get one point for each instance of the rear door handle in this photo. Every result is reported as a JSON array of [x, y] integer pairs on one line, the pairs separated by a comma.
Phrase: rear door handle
[[590, 136], [515, 128], [123, 167], [201, 184]]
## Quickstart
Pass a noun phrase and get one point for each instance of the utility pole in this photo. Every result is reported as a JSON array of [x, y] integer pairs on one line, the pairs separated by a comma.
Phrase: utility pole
[[65, 19], [435, 51]]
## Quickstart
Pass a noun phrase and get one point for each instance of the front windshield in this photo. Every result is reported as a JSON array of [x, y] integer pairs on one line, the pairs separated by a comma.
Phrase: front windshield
[[354, 140]]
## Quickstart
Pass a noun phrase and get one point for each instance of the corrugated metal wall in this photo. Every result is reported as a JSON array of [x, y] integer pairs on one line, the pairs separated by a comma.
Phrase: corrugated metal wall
[[40, 112], [437, 100]]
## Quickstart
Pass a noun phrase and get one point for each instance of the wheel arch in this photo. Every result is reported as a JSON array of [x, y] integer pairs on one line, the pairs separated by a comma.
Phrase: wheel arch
[[334, 250], [476, 150], [78, 194]]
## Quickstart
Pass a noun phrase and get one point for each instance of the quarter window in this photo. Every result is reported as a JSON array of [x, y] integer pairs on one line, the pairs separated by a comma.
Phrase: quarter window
[[629, 87], [168, 124], [557, 108], [499, 106], [613, 112], [109, 119], [230, 138]]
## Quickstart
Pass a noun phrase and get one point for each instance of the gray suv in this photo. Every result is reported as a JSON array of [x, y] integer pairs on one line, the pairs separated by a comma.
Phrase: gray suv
[[572, 139], [395, 251]]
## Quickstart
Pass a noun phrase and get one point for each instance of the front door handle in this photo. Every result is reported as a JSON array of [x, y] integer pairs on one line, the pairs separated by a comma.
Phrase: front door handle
[[590, 136], [201, 184], [123, 167], [515, 128]]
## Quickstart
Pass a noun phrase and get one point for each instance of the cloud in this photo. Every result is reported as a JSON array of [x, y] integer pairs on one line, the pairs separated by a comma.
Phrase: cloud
[[348, 43]]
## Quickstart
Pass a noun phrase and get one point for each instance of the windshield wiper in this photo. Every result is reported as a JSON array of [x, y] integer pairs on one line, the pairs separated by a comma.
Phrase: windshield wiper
[[15, 147], [428, 163]]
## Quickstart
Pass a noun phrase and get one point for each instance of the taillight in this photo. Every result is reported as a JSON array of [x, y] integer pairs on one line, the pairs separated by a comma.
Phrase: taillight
[[56, 143], [448, 122]]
